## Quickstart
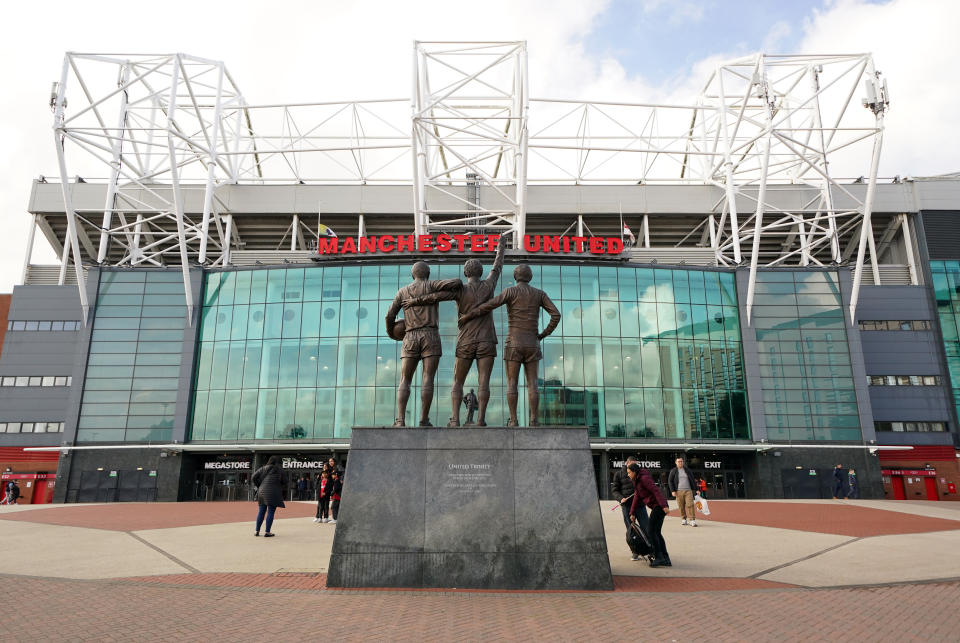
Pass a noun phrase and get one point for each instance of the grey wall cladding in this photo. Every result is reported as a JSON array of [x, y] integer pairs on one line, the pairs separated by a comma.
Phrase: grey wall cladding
[[903, 353], [39, 353], [45, 303], [942, 232]]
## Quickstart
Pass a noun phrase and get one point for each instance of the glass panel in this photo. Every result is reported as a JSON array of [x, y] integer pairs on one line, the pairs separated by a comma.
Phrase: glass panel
[[337, 344]]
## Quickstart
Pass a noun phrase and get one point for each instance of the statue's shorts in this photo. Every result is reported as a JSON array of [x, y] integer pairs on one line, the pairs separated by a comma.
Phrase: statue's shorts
[[421, 342], [525, 354], [477, 350]]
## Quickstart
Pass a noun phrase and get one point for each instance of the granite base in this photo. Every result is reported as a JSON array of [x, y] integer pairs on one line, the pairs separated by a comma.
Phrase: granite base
[[490, 508]]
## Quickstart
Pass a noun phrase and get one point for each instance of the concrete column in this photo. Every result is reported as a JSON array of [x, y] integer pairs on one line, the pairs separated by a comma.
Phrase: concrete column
[[751, 361], [859, 370], [184, 406]]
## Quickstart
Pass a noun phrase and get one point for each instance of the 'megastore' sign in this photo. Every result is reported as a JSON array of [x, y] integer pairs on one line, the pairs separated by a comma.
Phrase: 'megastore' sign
[[532, 243], [219, 464]]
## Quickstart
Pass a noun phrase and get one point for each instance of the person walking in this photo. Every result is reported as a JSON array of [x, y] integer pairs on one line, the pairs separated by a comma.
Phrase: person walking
[[622, 490], [323, 498], [302, 488], [470, 400], [682, 484], [838, 482], [270, 481], [12, 493], [646, 492], [336, 488], [853, 488]]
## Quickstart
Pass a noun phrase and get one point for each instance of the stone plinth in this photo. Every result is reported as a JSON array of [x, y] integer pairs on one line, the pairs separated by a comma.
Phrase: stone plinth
[[490, 508]]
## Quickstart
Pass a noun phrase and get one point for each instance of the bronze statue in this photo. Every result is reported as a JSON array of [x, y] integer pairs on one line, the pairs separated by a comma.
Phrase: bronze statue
[[522, 345], [421, 339], [476, 339]]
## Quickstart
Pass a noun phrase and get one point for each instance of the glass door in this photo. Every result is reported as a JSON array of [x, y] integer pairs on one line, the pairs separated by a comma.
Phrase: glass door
[[716, 486], [735, 485], [203, 486]]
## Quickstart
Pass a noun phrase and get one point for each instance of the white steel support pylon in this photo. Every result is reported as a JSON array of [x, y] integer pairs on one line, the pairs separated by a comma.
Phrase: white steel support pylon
[[877, 102], [160, 131], [761, 124], [165, 134], [469, 130]]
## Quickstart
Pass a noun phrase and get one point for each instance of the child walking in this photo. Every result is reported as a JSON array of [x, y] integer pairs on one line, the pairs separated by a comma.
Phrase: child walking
[[323, 498], [336, 487]]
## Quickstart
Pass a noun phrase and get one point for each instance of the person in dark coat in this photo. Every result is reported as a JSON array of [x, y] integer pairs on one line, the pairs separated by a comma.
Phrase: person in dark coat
[[646, 492], [12, 492], [336, 488], [838, 482], [302, 488], [622, 490], [270, 481]]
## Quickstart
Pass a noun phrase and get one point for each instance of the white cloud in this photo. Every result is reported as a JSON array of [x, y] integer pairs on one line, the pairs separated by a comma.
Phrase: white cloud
[[277, 52], [778, 32], [321, 51], [679, 12], [914, 43]]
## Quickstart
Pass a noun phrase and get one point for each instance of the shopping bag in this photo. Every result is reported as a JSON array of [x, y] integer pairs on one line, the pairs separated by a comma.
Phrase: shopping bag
[[701, 504]]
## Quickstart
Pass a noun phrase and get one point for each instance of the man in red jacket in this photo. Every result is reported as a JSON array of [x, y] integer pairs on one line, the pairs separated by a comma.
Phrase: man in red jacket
[[646, 492]]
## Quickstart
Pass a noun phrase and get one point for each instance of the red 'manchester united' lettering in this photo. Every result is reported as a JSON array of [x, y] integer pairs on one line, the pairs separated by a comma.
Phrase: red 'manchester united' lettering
[[466, 243]]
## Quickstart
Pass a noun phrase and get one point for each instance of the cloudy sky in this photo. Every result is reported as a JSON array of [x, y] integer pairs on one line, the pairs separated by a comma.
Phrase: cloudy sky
[[639, 50]]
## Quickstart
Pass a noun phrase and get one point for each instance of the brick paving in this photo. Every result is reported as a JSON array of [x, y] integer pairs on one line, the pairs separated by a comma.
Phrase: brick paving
[[136, 516], [120, 610], [317, 582], [288, 605], [839, 519]]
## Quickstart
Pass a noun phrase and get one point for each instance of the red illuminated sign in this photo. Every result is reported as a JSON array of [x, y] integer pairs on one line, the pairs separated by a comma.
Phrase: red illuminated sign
[[422, 243], [26, 476], [909, 472]]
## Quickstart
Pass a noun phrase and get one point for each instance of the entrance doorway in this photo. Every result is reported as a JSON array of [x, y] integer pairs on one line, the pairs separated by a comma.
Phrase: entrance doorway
[[899, 492], [222, 486], [133, 485], [931, 487], [735, 486], [43, 491], [725, 484], [800, 483], [722, 475]]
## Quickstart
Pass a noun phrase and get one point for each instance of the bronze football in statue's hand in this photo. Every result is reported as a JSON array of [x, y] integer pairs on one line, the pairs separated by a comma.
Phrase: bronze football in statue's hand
[[397, 329]]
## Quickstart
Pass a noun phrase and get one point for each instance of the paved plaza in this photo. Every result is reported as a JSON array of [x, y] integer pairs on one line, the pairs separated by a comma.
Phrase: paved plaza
[[753, 570]]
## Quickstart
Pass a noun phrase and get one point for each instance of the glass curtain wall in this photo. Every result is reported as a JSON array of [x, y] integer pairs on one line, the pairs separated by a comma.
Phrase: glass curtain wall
[[130, 391], [301, 353], [946, 285], [806, 377]]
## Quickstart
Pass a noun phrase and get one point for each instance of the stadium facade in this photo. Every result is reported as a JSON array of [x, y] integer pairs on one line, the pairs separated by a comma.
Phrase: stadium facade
[[195, 326]]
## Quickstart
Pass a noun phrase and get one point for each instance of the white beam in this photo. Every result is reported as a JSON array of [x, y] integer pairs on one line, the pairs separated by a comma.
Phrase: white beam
[[177, 196]]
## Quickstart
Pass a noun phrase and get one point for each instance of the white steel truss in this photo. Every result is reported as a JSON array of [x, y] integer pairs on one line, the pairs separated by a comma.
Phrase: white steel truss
[[167, 133], [469, 130]]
